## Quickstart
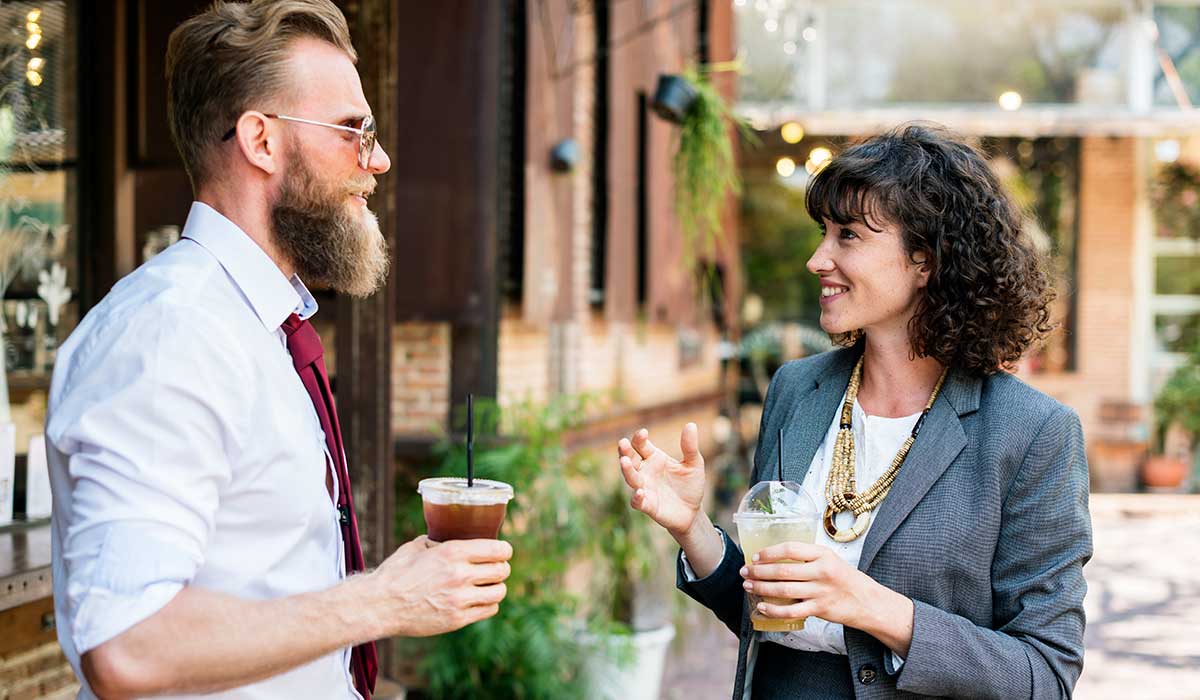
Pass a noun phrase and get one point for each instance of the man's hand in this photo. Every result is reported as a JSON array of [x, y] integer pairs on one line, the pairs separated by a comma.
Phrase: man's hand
[[429, 588]]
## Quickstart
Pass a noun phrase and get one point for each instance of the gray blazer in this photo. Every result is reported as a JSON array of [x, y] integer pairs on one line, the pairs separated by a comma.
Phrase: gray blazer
[[986, 529]]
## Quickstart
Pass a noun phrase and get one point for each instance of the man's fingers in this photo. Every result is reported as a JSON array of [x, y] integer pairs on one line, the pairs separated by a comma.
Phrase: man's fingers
[[487, 574], [689, 445], [488, 595], [481, 551]]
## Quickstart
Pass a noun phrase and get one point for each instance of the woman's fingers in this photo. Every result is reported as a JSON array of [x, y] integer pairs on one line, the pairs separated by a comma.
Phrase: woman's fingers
[[625, 449], [780, 572], [789, 551], [633, 477], [645, 501], [641, 443], [791, 611], [793, 590]]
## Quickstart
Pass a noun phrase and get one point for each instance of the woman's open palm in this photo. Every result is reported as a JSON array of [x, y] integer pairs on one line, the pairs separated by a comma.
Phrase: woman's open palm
[[668, 490]]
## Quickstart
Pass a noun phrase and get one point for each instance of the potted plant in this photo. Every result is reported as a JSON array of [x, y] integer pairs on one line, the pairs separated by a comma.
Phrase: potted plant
[[626, 643], [1177, 406], [530, 648], [704, 167]]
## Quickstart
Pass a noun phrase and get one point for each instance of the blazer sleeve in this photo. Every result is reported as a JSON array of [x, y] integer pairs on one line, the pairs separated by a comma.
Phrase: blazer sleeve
[[1036, 648], [721, 591]]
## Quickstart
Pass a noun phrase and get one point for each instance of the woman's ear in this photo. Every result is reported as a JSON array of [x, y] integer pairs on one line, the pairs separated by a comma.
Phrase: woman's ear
[[924, 268]]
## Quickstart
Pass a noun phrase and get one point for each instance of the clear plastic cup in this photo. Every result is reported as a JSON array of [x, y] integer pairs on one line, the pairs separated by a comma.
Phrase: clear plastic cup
[[774, 512], [454, 511]]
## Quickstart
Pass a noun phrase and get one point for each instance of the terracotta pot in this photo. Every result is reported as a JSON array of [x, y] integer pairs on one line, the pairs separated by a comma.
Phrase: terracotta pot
[[1164, 472]]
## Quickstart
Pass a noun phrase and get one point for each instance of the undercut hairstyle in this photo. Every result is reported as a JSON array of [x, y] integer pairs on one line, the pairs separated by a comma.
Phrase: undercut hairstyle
[[231, 58], [990, 289]]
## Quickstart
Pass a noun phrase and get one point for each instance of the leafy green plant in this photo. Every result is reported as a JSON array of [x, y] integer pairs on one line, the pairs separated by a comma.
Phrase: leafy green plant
[[624, 552], [1178, 401], [704, 167], [530, 649], [1176, 197]]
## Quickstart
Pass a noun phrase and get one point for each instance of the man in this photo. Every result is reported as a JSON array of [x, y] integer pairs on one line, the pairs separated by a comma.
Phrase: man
[[202, 527]]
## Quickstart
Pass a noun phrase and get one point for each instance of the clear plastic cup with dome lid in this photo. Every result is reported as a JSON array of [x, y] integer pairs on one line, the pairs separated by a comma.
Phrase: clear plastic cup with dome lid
[[774, 512], [458, 510]]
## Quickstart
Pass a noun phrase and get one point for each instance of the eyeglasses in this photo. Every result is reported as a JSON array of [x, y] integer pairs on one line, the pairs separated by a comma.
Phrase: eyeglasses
[[366, 134]]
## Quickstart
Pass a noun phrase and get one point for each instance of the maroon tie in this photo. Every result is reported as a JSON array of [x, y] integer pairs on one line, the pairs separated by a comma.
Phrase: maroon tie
[[308, 357]]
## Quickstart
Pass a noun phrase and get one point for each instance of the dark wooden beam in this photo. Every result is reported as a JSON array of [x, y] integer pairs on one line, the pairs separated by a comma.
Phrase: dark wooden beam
[[364, 326]]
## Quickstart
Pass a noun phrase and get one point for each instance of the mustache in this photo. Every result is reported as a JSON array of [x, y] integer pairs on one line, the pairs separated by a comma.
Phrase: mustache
[[367, 186]]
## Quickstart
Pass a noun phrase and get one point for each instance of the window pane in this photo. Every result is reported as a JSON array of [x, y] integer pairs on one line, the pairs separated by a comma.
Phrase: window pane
[[935, 51], [1177, 332], [37, 83], [1177, 275], [1179, 36]]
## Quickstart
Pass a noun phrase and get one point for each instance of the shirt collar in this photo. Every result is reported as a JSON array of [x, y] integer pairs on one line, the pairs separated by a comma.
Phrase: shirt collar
[[272, 295]]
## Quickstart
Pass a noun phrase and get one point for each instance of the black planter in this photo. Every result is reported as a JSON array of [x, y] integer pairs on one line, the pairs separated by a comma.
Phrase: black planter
[[673, 97]]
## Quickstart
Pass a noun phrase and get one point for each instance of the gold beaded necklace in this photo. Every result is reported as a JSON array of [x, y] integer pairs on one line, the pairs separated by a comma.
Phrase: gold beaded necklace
[[840, 488]]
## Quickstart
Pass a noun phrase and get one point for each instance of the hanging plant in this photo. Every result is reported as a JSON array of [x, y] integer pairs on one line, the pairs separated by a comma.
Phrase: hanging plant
[[704, 166], [1176, 196]]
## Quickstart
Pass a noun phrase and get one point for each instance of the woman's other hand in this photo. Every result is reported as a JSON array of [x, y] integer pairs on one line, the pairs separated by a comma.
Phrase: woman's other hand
[[668, 490]]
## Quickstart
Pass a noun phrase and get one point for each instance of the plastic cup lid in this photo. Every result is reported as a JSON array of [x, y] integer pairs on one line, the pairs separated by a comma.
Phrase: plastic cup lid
[[777, 500], [454, 491]]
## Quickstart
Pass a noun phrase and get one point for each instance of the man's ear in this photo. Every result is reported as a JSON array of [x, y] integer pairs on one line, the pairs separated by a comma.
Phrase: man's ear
[[258, 142]]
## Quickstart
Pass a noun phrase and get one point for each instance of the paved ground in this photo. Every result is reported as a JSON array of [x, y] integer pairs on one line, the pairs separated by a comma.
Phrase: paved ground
[[1143, 607]]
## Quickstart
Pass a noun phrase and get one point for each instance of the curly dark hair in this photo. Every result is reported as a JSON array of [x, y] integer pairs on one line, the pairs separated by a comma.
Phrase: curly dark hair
[[989, 290]]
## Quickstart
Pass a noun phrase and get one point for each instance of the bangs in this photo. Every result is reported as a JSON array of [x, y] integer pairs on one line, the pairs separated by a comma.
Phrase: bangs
[[851, 190]]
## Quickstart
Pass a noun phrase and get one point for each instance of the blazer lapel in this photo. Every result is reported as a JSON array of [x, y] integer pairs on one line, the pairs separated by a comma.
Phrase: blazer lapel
[[940, 441], [808, 420]]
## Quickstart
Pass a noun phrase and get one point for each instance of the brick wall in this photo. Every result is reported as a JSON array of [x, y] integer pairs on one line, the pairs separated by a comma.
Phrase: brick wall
[[1111, 186], [420, 377], [39, 673]]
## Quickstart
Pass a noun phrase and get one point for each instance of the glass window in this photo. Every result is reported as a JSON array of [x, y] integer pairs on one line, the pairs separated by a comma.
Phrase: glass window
[[39, 206], [1179, 38], [865, 53]]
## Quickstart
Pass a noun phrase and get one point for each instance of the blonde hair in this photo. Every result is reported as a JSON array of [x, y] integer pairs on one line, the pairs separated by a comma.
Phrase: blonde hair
[[231, 58]]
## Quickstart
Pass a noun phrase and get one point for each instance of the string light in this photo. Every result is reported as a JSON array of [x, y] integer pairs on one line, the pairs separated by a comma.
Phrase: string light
[[789, 47], [1010, 101], [32, 42], [818, 158], [34, 15], [785, 166], [809, 34], [792, 132], [34, 77], [36, 63]]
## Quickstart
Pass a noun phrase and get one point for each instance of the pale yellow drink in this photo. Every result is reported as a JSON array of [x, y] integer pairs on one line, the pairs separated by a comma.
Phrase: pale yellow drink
[[758, 531]]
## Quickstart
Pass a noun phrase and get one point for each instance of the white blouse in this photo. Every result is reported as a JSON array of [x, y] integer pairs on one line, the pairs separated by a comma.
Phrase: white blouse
[[876, 442]]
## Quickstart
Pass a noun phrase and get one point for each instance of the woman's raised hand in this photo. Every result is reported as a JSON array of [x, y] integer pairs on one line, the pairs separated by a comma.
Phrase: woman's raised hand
[[666, 489]]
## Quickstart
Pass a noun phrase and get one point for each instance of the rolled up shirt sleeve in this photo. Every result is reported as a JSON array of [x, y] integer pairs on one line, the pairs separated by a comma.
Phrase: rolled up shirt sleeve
[[143, 423]]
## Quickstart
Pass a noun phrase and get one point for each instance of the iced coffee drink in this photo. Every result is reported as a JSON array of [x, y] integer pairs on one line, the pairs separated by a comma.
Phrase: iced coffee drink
[[456, 511]]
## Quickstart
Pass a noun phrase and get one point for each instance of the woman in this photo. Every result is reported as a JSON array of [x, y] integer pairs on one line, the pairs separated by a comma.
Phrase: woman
[[949, 565]]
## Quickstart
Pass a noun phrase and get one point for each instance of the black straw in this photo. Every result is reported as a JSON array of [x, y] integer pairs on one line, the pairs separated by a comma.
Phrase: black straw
[[781, 454], [470, 441]]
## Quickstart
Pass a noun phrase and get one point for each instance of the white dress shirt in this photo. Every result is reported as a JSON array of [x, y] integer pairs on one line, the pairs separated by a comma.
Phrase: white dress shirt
[[876, 442], [184, 451]]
